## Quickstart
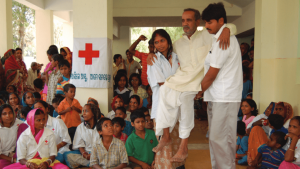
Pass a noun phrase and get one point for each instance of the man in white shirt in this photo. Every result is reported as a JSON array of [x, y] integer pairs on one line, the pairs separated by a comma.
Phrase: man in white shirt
[[32, 74], [179, 90], [222, 86]]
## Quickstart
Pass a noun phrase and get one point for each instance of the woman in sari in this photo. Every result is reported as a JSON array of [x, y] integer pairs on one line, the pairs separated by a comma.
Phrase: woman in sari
[[66, 52], [36, 145], [19, 58], [14, 74], [15, 102], [6, 55]]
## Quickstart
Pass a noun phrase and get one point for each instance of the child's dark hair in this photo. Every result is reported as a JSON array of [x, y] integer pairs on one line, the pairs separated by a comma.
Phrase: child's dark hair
[[127, 51], [19, 101], [122, 109], [163, 33], [100, 123], [57, 57], [116, 56], [64, 63], [147, 87], [276, 121], [241, 128], [67, 87], [14, 87], [252, 105], [280, 138], [296, 118], [136, 97], [124, 71], [118, 78], [246, 71], [144, 109], [119, 121], [2, 107], [37, 95], [137, 76], [151, 42], [38, 83], [214, 11], [39, 111], [57, 99], [137, 114], [25, 111], [45, 104], [52, 51]]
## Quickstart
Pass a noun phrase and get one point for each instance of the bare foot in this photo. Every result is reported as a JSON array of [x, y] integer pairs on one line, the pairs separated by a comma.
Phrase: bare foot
[[162, 143], [180, 156]]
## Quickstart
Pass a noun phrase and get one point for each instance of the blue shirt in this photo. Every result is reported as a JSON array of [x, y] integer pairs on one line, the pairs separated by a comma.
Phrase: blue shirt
[[270, 158], [243, 145], [284, 130], [247, 87], [55, 114], [128, 128], [145, 102]]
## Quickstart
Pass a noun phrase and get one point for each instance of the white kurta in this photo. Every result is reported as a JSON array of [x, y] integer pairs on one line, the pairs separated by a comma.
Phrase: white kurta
[[83, 138], [8, 138], [158, 73], [27, 146], [60, 131]]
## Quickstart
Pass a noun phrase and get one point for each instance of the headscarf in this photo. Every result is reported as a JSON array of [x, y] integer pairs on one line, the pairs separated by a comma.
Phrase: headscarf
[[288, 111], [2, 108], [24, 98], [30, 122], [114, 101], [11, 63], [273, 108], [69, 55], [6, 55]]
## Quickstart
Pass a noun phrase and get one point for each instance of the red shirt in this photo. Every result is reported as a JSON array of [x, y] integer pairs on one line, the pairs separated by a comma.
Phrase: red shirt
[[143, 57]]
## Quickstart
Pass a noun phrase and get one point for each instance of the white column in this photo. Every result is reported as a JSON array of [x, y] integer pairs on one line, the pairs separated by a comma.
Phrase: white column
[[122, 43], [44, 34], [68, 35], [93, 19], [6, 36]]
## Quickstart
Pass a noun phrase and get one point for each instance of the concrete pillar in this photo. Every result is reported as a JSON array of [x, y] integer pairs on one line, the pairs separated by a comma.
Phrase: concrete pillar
[[94, 19], [68, 35], [122, 43], [275, 63], [44, 34], [6, 36]]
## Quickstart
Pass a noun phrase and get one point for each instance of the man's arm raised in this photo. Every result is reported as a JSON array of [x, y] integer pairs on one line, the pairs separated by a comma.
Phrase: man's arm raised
[[134, 45]]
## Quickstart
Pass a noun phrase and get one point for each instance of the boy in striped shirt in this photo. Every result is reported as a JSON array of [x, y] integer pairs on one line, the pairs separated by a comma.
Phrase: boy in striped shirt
[[65, 70], [271, 154]]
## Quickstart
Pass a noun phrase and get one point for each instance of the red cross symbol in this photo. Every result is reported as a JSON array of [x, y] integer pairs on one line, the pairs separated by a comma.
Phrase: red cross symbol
[[46, 141], [88, 53]]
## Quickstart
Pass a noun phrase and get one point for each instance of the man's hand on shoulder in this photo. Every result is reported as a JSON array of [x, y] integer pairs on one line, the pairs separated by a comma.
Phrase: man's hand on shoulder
[[150, 59], [224, 38]]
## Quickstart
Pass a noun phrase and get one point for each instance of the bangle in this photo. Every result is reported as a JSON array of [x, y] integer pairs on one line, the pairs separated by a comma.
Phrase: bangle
[[49, 161], [27, 164], [12, 160], [291, 149]]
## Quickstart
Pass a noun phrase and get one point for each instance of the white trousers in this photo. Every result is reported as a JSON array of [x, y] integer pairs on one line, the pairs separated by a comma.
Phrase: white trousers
[[174, 105], [222, 120]]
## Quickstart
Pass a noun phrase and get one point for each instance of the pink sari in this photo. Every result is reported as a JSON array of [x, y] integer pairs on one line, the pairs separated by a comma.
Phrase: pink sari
[[30, 122]]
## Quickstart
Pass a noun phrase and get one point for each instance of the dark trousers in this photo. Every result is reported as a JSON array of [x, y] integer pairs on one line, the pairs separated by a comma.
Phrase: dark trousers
[[72, 131]]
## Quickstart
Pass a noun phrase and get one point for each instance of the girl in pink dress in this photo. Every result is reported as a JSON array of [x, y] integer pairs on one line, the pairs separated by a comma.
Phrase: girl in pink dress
[[249, 109]]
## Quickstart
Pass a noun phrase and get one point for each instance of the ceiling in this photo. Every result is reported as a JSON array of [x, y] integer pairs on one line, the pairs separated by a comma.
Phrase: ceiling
[[240, 3]]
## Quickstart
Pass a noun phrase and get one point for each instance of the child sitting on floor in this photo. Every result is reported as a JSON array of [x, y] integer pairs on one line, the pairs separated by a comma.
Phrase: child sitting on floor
[[140, 143], [118, 126], [249, 109], [276, 124], [55, 103], [120, 88], [148, 121], [117, 102], [108, 152], [241, 143], [271, 154], [147, 102], [121, 112], [24, 112]]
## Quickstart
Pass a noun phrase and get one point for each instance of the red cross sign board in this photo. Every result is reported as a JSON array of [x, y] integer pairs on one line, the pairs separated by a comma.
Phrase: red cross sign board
[[88, 54]]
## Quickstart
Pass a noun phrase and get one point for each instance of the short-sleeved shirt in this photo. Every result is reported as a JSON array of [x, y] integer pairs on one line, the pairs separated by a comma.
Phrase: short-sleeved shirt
[[243, 145], [297, 150], [52, 85], [247, 86], [247, 121], [84, 137], [123, 137], [228, 85], [143, 57], [140, 92], [283, 129], [128, 128], [141, 149], [271, 158], [60, 86], [72, 118], [115, 155], [132, 67]]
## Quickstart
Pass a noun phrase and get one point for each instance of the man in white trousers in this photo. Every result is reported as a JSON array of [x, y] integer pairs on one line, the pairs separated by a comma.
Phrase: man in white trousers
[[176, 98], [222, 86]]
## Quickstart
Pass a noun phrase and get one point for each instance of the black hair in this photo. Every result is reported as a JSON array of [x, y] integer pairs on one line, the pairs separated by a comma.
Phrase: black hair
[[119, 121], [252, 48], [14, 87], [58, 57], [252, 105], [137, 76], [147, 87], [280, 138], [38, 83], [62, 50], [16, 96], [57, 99], [118, 78], [39, 111], [2, 107], [96, 111], [246, 70], [296, 118], [138, 99], [122, 109], [116, 56], [196, 12], [249, 94], [241, 128], [127, 51], [252, 39], [94, 101], [24, 96], [144, 109], [37, 95], [45, 104], [276, 121], [64, 63], [100, 123], [163, 33], [123, 71], [247, 46], [53, 47], [214, 11], [19, 49], [25, 111], [151, 42], [52, 51], [136, 114], [67, 87]]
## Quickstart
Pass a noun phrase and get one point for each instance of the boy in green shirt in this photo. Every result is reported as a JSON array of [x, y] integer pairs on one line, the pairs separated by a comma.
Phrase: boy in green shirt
[[140, 143]]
